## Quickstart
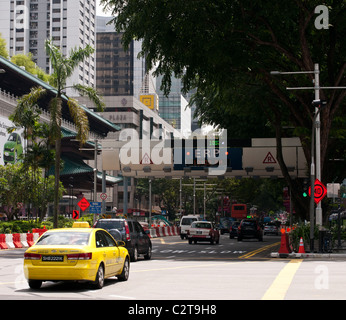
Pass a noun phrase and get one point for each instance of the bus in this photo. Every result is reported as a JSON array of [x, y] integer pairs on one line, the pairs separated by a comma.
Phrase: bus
[[239, 211]]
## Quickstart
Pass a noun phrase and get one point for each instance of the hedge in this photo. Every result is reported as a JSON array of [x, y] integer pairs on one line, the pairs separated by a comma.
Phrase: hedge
[[23, 226]]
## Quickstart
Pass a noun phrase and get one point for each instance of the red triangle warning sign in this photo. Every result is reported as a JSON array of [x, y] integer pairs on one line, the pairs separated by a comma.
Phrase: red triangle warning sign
[[269, 158], [146, 159]]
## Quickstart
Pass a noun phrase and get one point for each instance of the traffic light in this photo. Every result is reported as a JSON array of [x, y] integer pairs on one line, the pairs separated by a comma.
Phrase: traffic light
[[305, 188]]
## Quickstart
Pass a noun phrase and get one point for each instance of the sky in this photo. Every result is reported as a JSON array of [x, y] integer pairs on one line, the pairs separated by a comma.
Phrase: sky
[[99, 11]]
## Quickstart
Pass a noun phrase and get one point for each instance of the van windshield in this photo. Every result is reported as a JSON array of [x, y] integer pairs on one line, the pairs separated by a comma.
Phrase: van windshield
[[187, 221]]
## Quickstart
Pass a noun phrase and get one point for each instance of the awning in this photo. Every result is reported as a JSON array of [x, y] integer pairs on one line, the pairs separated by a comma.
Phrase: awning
[[83, 175]]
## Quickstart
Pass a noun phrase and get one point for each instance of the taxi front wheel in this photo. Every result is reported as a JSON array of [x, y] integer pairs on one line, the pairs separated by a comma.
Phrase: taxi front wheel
[[100, 278], [126, 271]]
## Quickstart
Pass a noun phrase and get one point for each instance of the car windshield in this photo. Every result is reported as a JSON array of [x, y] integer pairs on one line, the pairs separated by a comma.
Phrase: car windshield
[[201, 225], [188, 221], [12, 137], [110, 224], [64, 238]]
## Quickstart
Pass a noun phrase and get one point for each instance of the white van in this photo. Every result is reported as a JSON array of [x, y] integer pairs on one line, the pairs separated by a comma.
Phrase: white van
[[185, 224]]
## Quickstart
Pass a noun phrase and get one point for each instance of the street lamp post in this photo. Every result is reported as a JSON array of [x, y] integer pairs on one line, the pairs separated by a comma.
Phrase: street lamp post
[[318, 149], [316, 130]]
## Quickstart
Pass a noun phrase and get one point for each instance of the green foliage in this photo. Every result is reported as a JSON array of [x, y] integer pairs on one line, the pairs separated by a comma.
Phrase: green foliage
[[265, 194], [302, 231], [25, 60], [21, 183], [226, 50], [23, 226], [3, 48], [19, 226]]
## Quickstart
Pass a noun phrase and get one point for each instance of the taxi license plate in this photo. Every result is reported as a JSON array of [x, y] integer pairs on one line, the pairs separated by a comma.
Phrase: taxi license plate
[[53, 258], [198, 232]]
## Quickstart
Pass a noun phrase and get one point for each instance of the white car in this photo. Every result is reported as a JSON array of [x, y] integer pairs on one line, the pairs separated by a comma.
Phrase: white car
[[203, 231]]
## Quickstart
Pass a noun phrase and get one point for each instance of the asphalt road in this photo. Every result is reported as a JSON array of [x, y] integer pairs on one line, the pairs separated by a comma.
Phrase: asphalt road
[[196, 274], [228, 249]]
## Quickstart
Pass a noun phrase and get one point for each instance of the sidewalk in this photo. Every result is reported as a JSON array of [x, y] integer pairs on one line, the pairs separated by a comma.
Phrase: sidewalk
[[336, 254]]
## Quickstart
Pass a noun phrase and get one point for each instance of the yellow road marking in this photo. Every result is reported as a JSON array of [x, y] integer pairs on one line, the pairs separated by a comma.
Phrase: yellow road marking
[[252, 253], [278, 289]]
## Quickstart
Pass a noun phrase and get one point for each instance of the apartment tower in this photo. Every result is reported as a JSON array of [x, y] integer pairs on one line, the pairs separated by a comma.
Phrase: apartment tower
[[26, 24]]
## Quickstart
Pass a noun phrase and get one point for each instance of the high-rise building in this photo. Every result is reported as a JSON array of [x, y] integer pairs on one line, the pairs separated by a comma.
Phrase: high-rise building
[[26, 24], [119, 72], [174, 107]]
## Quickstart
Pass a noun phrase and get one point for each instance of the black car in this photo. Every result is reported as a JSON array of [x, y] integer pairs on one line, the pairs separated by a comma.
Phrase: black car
[[233, 229], [250, 228], [131, 232]]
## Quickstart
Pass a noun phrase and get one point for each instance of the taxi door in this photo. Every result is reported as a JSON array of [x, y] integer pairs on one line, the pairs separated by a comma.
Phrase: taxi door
[[114, 253], [105, 246]]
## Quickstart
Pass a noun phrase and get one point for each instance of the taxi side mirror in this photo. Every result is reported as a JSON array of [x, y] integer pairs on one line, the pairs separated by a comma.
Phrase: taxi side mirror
[[121, 243]]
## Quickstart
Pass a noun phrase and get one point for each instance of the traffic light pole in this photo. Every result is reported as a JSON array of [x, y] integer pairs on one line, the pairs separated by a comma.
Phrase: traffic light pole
[[312, 183], [315, 131]]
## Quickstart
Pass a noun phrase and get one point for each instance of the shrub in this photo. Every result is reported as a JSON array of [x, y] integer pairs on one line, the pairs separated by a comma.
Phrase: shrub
[[301, 231]]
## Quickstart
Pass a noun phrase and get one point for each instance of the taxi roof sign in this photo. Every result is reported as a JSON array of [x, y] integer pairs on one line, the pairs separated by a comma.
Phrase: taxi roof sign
[[81, 224]]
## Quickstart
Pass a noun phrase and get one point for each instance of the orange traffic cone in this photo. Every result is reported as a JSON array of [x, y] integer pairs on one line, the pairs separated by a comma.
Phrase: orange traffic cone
[[301, 246]]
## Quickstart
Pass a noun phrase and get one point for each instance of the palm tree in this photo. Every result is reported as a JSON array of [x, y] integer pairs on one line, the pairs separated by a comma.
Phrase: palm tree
[[63, 67]]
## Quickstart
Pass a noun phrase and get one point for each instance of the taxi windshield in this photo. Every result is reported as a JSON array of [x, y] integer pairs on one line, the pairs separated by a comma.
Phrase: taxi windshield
[[64, 238]]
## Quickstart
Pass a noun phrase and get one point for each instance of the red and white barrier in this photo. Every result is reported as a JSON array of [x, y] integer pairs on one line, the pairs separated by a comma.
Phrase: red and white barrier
[[3, 244], [18, 240], [26, 240], [164, 232]]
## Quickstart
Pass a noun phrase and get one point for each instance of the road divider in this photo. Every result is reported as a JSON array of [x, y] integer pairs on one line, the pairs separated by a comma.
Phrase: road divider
[[19, 240], [26, 240], [157, 232]]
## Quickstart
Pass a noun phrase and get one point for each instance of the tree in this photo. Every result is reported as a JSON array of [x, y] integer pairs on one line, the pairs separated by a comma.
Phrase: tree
[[63, 67], [25, 60], [17, 186], [226, 49], [38, 153], [3, 49]]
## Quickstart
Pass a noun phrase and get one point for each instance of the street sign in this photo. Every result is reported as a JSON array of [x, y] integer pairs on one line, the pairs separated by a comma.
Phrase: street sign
[[333, 190], [83, 204], [103, 196], [75, 214], [269, 158], [95, 207], [320, 191]]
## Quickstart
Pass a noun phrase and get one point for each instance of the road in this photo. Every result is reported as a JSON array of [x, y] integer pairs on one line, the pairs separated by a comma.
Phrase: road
[[231, 270]]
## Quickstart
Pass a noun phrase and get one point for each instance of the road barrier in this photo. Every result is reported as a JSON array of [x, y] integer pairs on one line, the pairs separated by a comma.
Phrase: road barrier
[[20, 240], [285, 248], [3, 244], [26, 240], [16, 240], [164, 231]]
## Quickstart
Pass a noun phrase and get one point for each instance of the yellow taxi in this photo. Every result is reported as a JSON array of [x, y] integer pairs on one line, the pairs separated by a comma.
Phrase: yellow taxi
[[78, 254]]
